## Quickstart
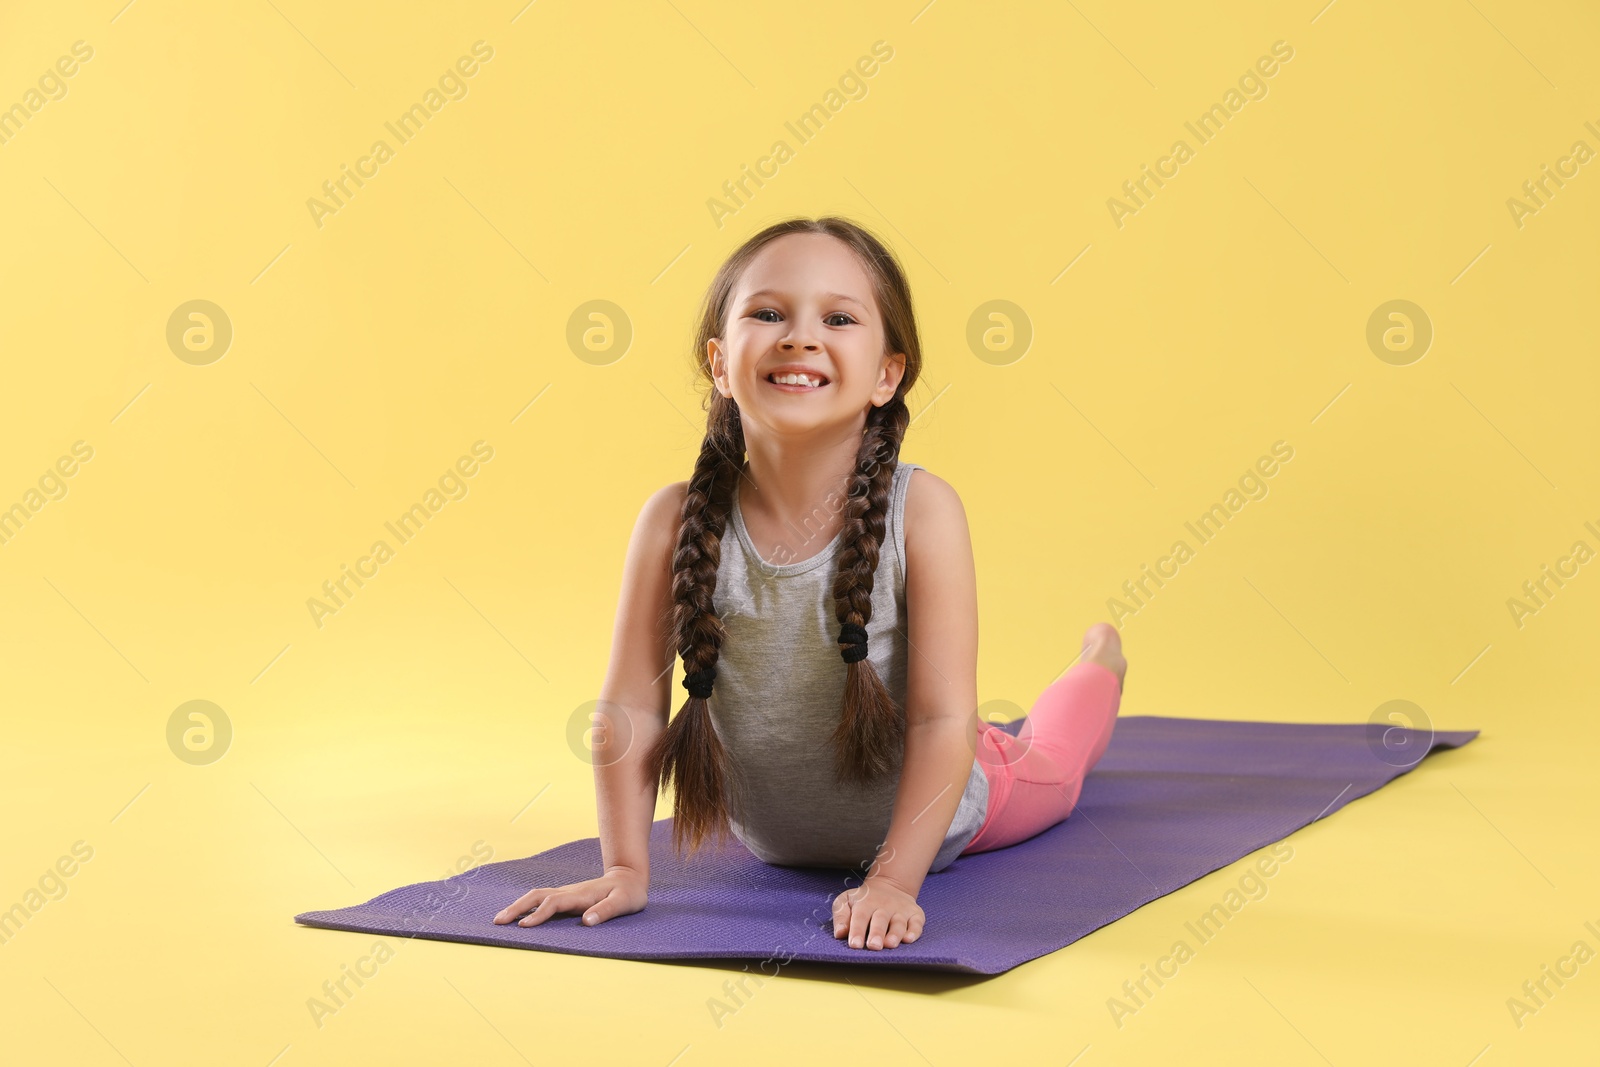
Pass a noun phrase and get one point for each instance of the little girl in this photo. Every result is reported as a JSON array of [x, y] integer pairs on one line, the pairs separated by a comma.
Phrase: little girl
[[803, 540]]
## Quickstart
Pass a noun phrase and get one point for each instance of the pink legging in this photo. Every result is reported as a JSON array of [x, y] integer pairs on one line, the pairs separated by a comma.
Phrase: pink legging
[[1035, 777]]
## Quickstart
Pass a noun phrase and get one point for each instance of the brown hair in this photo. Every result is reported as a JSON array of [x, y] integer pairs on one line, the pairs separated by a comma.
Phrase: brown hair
[[871, 731]]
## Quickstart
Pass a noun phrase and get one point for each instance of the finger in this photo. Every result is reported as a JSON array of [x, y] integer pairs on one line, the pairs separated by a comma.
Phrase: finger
[[519, 906], [913, 927], [860, 919], [896, 932], [841, 916], [601, 910], [553, 904], [526, 902], [875, 929]]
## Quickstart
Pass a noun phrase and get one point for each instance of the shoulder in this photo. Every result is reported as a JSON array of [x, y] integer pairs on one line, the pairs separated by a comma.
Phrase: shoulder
[[656, 528], [935, 518], [930, 499], [664, 510], [668, 500]]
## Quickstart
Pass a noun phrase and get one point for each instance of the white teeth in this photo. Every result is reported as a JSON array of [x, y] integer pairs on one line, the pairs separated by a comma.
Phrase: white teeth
[[796, 379]]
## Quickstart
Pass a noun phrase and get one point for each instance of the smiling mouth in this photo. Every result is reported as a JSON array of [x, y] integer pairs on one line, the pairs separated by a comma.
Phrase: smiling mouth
[[800, 384]]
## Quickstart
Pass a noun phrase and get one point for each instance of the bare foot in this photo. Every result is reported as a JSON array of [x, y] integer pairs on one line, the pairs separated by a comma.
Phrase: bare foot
[[1103, 645]]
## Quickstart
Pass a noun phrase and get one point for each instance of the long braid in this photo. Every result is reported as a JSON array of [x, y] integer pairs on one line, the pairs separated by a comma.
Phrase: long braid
[[688, 755], [870, 736]]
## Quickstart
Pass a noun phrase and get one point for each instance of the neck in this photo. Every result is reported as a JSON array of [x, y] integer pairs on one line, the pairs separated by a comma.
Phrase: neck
[[799, 487]]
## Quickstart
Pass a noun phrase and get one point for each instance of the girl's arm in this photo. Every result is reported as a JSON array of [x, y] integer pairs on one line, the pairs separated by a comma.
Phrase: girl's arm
[[633, 708], [941, 682], [636, 696]]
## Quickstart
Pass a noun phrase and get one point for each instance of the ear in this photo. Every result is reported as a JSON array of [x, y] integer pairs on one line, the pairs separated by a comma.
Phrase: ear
[[719, 366], [889, 376]]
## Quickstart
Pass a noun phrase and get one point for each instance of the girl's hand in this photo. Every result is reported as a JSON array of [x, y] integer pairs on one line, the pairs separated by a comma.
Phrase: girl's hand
[[620, 891], [877, 912]]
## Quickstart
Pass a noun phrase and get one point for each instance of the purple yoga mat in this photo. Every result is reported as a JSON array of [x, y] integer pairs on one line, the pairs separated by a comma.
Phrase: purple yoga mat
[[1171, 800]]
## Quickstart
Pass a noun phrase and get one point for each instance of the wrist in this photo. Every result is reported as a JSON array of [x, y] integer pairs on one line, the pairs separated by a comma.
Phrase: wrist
[[626, 868], [909, 887]]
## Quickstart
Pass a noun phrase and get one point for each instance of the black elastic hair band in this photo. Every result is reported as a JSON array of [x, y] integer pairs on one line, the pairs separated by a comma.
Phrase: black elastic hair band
[[854, 637], [698, 683]]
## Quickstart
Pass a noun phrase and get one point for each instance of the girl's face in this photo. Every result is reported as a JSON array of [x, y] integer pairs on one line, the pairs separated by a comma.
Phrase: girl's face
[[804, 305]]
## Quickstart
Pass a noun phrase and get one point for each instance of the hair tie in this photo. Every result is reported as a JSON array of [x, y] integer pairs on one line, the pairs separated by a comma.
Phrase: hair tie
[[698, 683], [854, 637]]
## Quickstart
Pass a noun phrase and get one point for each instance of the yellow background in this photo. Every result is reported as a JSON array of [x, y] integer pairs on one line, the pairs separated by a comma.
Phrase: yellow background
[[417, 723]]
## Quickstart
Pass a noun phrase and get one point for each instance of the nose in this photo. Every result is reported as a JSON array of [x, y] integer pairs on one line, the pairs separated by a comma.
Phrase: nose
[[798, 335]]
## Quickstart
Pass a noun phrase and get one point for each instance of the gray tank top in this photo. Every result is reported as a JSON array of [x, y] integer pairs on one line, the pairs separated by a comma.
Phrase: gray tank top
[[779, 693]]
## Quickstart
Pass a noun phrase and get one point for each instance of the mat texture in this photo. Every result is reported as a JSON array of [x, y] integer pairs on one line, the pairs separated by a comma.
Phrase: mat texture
[[1171, 800]]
